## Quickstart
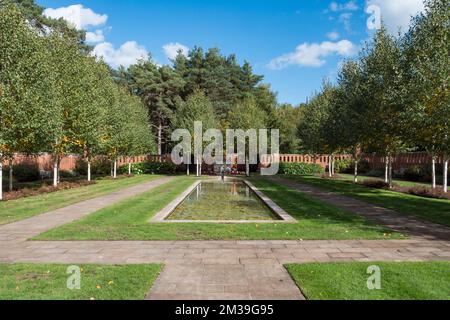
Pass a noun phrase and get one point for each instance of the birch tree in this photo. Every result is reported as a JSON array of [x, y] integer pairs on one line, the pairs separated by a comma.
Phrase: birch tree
[[349, 112], [28, 110], [427, 70], [382, 75]]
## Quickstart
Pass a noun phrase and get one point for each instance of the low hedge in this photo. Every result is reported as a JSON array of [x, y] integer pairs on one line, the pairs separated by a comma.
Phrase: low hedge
[[100, 166], [300, 169], [23, 173], [149, 168]]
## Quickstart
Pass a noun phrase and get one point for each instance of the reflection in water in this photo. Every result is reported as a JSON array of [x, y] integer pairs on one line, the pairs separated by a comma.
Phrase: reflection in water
[[222, 201]]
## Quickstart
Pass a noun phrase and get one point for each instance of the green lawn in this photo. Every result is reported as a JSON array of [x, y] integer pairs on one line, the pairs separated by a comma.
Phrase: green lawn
[[402, 183], [129, 220], [15, 210], [99, 282], [348, 281], [435, 210]]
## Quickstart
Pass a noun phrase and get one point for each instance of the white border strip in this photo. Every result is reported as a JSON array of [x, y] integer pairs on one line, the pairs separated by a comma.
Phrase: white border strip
[[286, 217], [164, 213], [161, 216]]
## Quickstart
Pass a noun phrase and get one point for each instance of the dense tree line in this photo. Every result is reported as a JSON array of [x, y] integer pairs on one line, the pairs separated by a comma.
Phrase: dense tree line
[[393, 98], [55, 98], [217, 78]]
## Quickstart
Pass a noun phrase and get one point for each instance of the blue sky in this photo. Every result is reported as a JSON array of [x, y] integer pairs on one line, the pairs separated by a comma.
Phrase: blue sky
[[295, 44]]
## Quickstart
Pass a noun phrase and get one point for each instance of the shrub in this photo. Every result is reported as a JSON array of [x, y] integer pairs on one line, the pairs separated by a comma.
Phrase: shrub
[[24, 173], [99, 166], [418, 173], [300, 169], [377, 184], [344, 166], [150, 168], [67, 174], [428, 193], [375, 173]]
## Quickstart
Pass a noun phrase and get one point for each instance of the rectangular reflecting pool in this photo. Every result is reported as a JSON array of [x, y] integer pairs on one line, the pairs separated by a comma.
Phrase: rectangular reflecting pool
[[224, 201]]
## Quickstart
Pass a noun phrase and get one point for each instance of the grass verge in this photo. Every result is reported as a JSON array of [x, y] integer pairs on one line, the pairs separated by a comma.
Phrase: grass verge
[[129, 220], [98, 282], [348, 281], [434, 210], [15, 210]]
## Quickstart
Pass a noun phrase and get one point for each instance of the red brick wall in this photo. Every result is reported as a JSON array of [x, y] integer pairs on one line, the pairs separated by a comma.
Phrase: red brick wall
[[68, 163], [403, 160]]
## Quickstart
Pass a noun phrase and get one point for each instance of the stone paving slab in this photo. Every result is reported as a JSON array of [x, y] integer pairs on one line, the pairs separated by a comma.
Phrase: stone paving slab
[[398, 222]]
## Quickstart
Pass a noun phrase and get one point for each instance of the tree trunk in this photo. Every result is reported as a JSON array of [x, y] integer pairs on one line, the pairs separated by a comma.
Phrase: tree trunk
[[58, 170], [386, 170], [1, 177], [333, 165], [390, 173], [247, 167], [433, 172], [160, 128], [55, 172], [445, 175], [10, 174], [129, 168], [356, 172], [187, 169], [115, 169], [89, 170], [330, 166]]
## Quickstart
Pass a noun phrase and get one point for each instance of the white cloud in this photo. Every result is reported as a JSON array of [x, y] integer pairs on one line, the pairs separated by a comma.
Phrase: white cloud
[[171, 50], [314, 54], [397, 13], [333, 35], [77, 15], [345, 19], [128, 53], [349, 6], [94, 37]]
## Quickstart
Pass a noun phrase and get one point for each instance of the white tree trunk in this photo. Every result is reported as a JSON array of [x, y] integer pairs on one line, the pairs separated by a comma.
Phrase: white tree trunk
[[330, 167], [247, 167], [333, 168], [446, 175], [1, 177], [55, 173], [115, 169], [356, 172], [390, 172], [386, 171], [11, 175], [187, 169], [433, 172], [160, 129], [197, 165], [89, 170], [129, 168]]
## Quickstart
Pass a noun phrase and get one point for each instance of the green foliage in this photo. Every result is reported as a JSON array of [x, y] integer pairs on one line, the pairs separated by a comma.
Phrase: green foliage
[[99, 166], [25, 172], [150, 168], [197, 107], [300, 169], [28, 109], [314, 131], [344, 165], [288, 119]]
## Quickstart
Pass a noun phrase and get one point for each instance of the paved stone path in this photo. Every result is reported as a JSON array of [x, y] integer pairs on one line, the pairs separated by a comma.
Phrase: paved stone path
[[409, 225], [31, 227], [203, 269]]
